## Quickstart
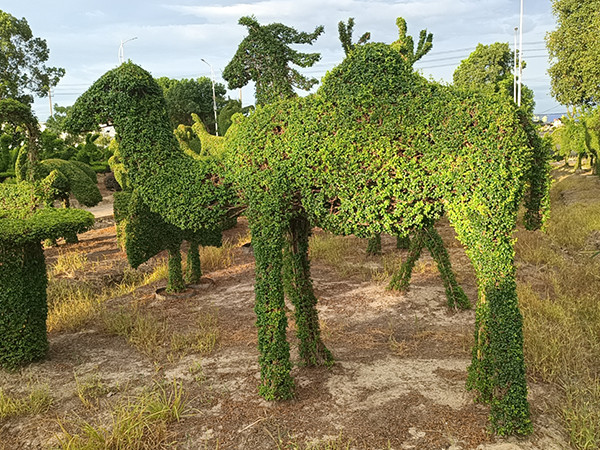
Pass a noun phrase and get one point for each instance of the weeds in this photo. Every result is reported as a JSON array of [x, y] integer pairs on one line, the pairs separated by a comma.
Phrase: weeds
[[38, 401], [90, 389], [151, 335], [289, 443], [72, 304], [139, 422], [215, 258], [69, 262]]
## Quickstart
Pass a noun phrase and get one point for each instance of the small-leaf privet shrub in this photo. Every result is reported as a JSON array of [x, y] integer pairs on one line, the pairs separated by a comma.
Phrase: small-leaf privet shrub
[[24, 224], [25, 221], [429, 237], [377, 149], [82, 179], [144, 233]]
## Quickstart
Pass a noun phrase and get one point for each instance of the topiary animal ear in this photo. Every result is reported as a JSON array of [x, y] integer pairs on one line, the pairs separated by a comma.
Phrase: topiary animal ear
[[402, 44]]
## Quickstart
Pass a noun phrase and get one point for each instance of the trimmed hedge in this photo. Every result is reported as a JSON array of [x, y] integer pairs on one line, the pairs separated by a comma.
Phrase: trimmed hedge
[[82, 179]]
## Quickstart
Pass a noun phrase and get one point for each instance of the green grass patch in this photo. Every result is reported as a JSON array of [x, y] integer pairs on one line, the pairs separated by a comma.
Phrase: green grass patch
[[37, 401]]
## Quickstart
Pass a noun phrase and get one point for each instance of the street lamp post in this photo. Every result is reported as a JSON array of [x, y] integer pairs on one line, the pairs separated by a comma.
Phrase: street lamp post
[[515, 67], [520, 56], [121, 50], [212, 75]]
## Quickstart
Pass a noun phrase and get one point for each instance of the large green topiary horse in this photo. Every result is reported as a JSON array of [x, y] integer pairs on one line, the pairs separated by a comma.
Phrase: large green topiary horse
[[377, 149]]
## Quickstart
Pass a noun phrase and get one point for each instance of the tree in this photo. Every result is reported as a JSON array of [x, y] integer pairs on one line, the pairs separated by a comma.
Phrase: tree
[[574, 50], [188, 96], [56, 121], [489, 68], [264, 56], [22, 61]]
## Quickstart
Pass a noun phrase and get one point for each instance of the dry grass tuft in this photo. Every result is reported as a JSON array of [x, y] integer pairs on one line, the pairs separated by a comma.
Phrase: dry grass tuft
[[151, 334], [140, 422], [72, 303]]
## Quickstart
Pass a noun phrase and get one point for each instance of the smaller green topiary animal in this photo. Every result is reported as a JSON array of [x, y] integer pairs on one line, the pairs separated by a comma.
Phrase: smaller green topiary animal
[[24, 224]]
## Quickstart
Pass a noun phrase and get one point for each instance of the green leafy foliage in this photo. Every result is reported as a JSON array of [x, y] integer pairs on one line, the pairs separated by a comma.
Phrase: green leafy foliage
[[55, 123], [345, 31], [429, 237], [406, 44], [231, 107], [187, 192], [574, 52], [22, 65], [24, 223], [188, 96], [376, 149], [20, 115], [489, 68], [82, 181], [264, 56]]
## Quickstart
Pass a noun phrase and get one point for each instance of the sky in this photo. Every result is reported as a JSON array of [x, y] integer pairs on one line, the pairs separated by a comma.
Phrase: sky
[[172, 38]]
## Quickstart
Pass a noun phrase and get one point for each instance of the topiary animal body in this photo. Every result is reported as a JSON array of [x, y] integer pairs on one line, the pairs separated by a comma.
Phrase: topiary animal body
[[377, 149], [380, 149]]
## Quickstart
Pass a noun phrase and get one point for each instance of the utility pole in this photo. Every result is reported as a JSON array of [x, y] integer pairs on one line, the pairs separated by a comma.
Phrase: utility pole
[[515, 67], [212, 75], [520, 54], [121, 50]]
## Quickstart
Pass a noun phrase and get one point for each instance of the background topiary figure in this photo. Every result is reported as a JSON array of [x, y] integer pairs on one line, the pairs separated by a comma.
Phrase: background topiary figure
[[377, 149], [144, 234], [429, 237], [264, 56], [26, 220]]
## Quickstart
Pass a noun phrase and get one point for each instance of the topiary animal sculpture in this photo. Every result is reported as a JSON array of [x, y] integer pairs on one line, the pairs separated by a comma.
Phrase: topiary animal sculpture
[[377, 149], [24, 224]]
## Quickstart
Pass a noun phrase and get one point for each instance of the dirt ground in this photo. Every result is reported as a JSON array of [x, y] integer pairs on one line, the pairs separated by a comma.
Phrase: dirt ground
[[398, 380]]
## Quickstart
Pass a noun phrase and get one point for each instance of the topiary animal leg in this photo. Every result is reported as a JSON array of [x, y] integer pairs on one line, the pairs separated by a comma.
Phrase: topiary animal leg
[[374, 245], [23, 307], [298, 287], [276, 382], [454, 293], [193, 272], [175, 282], [401, 279], [497, 371], [403, 242]]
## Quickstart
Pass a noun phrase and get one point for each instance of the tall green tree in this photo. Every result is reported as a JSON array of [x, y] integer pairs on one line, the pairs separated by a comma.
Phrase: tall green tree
[[22, 61], [489, 68], [265, 55], [574, 50], [188, 96]]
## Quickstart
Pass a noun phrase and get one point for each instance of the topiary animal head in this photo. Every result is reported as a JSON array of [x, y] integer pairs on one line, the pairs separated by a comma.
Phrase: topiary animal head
[[114, 97], [372, 74]]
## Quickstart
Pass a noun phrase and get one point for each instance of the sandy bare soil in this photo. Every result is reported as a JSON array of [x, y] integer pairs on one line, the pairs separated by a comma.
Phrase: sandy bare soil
[[398, 381]]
